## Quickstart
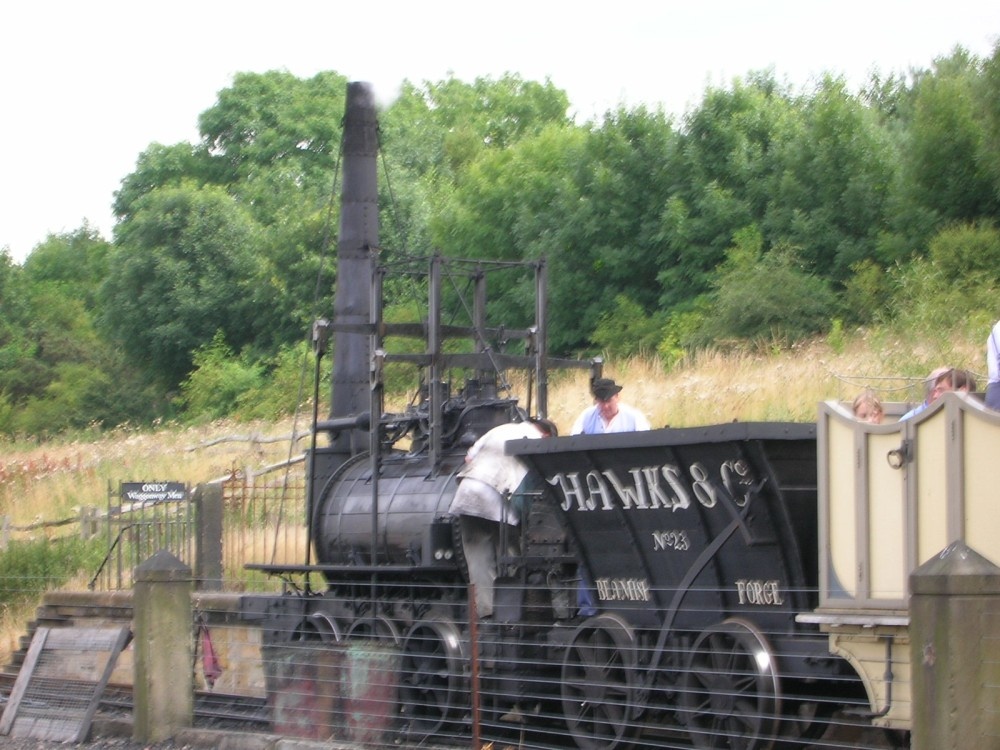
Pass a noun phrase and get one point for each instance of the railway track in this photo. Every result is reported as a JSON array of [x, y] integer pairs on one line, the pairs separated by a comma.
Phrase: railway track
[[211, 710]]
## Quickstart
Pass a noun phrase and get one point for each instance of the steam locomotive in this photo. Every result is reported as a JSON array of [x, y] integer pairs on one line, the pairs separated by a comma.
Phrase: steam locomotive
[[715, 620]]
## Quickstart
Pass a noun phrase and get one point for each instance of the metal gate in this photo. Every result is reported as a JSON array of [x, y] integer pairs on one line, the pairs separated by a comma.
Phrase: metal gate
[[143, 518]]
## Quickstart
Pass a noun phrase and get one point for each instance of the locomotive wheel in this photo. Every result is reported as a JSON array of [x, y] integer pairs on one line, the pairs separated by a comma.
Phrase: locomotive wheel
[[374, 628], [322, 626], [600, 682], [431, 683], [729, 692]]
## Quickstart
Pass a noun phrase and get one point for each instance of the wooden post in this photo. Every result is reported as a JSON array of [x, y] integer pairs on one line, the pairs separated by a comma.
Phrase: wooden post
[[88, 522]]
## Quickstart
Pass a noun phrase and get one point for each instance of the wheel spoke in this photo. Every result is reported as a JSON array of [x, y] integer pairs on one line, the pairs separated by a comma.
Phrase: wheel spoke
[[729, 697], [430, 686], [599, 684]]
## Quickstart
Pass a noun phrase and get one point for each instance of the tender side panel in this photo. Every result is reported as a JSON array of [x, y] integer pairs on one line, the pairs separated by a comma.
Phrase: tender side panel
[[686, 526], [980, 492], [930, 472], [886, 517]]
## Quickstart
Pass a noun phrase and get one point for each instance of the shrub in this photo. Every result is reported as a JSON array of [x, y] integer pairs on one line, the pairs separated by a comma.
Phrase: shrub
[[27, 569], [286, 385], [768, 296], [953, 291], [680, 334], [866, 292], [626, 330], [965, 252], [218, 381]]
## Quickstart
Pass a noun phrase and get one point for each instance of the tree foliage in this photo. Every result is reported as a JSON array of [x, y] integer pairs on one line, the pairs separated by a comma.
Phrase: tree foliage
[[767, 296], [946, 170], [184, 267], [764, 213]]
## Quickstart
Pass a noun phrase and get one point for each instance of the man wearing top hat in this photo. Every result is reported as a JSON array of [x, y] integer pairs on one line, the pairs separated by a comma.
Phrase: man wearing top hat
[[609, 413]]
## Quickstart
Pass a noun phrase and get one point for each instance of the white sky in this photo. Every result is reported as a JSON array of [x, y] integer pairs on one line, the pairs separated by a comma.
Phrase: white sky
[[86, 85]]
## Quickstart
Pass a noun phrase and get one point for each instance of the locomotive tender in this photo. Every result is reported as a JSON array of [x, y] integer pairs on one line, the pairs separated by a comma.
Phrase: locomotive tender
[[742, 597]]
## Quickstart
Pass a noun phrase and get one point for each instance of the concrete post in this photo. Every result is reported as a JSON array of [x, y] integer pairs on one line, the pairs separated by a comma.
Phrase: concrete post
[[954, 629], [163, 688], [208, 537]]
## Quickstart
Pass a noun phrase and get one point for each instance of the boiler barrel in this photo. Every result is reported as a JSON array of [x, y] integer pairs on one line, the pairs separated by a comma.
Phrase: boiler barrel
[[411, 498]]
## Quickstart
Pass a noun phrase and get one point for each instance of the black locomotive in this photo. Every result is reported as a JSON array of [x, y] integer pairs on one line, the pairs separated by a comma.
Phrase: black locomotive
[[658, 575]]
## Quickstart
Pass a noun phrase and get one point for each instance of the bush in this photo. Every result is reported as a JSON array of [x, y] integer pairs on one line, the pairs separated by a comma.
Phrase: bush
[[218, 381], [287, 384], [627, 330], [28, 569], [952, 292], [768, 296], [966, 252], [866, 293], [680, 334]]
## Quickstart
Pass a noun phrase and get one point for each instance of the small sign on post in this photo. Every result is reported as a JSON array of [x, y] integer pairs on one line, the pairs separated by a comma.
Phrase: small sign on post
[[149, 493]]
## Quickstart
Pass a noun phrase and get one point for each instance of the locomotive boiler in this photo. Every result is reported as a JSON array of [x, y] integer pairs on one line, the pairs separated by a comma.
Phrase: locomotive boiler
[[689, 585]]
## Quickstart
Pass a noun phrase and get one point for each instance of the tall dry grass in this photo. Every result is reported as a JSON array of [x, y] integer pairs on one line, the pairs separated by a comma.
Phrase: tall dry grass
[[751, 385], [52, 480]]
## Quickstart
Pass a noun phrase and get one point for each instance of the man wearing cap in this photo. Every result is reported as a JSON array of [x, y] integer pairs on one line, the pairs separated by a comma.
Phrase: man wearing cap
[[609, 413]]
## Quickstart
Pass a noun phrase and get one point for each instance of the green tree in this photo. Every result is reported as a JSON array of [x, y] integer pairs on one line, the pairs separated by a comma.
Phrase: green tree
[[162, 166], [272, 135], [627, 330], [75, 263], [441, 126], [581, 197], [433, 132], [184, 267], [988, 100], [624, 180], [17, 371], [270, 141], [509, 205], [218, 380], [56, 371], [722, 180], [829, 194], [945, 169]]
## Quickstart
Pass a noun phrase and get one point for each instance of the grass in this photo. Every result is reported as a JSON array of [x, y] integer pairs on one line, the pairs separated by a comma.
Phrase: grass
[[748, 384], [53, 480]]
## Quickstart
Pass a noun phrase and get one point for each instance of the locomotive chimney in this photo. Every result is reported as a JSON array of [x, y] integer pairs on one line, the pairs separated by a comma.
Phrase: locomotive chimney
[[357, 240]]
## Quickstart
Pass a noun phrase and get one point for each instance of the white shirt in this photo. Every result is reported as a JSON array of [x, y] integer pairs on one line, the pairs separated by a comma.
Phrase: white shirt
[[993, 355], [489, 475], [628, 419]]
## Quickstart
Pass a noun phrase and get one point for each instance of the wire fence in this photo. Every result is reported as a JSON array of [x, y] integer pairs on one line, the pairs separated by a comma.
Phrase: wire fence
[[264, 521], [418, 679]]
